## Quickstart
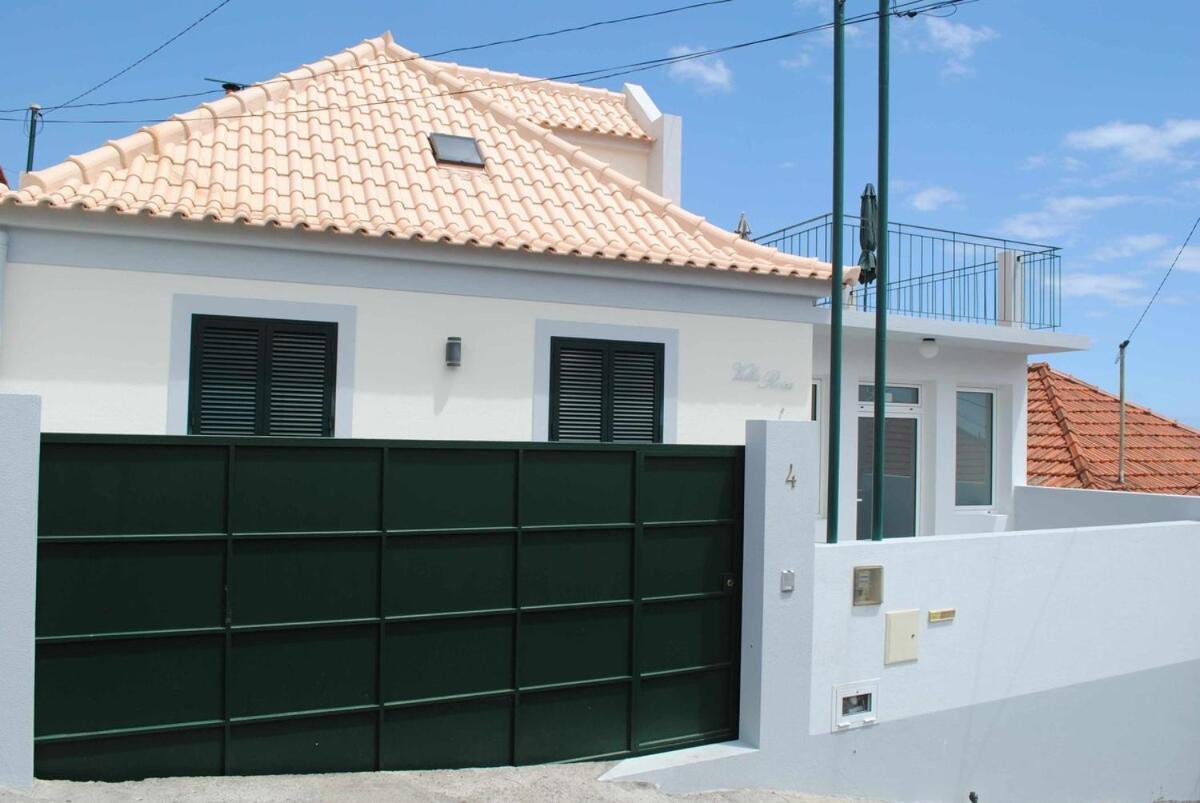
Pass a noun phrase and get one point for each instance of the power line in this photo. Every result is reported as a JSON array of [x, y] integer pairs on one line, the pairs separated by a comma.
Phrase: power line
[[585, 76], [124, 102], [1166, 276], [574, 29], [462, 49], [119, 73]]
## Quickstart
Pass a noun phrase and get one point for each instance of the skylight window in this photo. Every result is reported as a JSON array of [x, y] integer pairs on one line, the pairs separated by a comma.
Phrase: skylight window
[[449, 149]]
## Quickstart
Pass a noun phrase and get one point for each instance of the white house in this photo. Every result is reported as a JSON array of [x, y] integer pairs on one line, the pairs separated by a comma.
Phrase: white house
[[377, 245], [381, 246]]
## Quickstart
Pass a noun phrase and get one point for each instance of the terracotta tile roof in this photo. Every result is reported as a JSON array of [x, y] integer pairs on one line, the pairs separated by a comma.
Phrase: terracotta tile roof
[[342, 145], [1073, 440], [555, 104]]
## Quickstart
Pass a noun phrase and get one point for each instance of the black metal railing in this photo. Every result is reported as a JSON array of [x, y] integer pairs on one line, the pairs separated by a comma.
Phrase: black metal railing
[[948, 275]]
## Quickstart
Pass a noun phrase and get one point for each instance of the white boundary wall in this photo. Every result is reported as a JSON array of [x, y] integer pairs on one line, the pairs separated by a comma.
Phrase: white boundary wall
[[20, 444], [1068, 673], [1035, 611], [1040, 508]]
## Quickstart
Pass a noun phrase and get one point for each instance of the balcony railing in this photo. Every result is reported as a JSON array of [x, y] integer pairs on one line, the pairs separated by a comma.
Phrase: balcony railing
[[948, 275]]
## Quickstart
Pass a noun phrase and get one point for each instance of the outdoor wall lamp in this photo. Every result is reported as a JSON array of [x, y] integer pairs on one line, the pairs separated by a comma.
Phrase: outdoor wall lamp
[[453, 352], [928, 348]]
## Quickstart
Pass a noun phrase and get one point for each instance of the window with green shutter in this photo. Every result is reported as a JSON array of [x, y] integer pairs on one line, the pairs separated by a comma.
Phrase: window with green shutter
[[605, 390], [256, 376]]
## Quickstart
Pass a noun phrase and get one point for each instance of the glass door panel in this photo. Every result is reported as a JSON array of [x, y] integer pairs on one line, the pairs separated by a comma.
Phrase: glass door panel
[[899, 477]]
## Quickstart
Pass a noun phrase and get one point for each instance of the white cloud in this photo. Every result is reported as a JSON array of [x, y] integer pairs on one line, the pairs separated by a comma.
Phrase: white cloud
[[1074, 205], [1130, 245], [957, 40], [1138, 142], [709, 73], [1040, 160], [1060, 215], [1111, 287], [933, 198], [802, 59], [1189, 260]]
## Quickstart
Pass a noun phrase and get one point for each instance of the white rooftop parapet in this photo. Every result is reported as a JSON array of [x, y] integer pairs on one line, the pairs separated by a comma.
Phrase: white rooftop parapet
[[1010, 288], [664, 173]]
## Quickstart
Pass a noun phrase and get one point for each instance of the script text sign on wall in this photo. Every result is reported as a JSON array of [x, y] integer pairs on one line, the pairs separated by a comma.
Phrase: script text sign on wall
[[767, 378]]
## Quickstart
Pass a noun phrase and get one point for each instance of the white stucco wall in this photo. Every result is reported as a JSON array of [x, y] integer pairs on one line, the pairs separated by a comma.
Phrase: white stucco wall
[[1035, 610], [20, 446], [1067, 674], [96, 344], [1036, 507], [956, 367]]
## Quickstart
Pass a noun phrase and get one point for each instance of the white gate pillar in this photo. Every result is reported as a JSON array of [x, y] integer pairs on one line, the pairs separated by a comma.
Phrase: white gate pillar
[[20, 442], [781, 486]]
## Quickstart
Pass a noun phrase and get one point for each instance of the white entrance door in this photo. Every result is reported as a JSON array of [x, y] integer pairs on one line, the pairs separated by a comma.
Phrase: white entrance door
[[899, 476]]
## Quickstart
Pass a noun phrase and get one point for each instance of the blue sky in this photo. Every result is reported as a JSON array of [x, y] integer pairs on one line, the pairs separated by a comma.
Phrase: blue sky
[[1071, 123]]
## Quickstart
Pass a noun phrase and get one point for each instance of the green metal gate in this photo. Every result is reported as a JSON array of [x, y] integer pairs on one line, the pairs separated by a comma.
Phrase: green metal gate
[[257, 605]]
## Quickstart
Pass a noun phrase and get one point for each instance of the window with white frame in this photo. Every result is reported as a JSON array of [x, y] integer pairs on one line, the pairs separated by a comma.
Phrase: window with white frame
[[901, 459], [894, 395], [974, 448]]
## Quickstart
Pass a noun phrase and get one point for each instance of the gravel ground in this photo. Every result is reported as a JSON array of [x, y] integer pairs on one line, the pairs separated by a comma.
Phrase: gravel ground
[[555, 783]]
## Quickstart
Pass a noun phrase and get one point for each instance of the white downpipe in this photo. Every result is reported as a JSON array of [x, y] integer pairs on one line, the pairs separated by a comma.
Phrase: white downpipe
[[3, 270]]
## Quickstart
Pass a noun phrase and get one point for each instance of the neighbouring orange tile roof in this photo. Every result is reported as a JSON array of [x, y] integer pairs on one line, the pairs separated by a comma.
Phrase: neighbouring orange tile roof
[[342, 145], [1073, 440]]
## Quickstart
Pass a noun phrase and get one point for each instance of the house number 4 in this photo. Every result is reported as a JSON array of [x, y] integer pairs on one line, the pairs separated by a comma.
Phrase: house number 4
[[791, 477]]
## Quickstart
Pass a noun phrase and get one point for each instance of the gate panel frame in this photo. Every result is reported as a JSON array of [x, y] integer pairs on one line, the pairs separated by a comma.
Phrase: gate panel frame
[[382, 709]]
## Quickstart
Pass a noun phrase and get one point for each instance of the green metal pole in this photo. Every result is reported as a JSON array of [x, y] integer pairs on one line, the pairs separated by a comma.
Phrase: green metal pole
[[34, 110], [1121, 418], [832, 486], [881, 236]]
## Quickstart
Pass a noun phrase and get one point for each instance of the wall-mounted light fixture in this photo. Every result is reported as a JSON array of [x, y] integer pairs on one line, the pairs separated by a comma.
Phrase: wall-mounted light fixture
[[928, 348], [453, 352]]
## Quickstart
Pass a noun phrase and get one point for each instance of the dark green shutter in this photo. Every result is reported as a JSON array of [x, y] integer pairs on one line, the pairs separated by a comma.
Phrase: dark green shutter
[[300, 399], [227, 371], [579, 384], [605, 390], [636, 396], [255, 376]]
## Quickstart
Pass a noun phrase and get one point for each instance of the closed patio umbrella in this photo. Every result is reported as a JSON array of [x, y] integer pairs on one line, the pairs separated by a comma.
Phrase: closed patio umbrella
[[868, 228]]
